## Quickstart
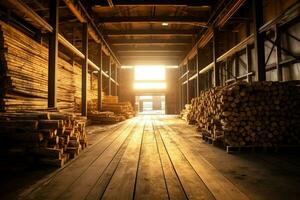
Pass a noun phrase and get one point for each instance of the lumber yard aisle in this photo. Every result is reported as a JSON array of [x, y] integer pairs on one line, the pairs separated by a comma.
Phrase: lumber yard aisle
[[152, 99], [150, 157]]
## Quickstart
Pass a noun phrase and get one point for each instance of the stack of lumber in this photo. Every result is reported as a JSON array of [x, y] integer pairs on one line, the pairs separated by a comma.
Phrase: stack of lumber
[[250, 114], [185, 112], [50, 138], [24, 75], [109, 99], [105, 117], [122, 108]]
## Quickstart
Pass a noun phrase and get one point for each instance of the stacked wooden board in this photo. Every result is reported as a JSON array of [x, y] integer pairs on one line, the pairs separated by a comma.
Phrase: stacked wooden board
[[250, 114], [120, 108], [24, 75], [105, 117], [48, 138], [113, 111]]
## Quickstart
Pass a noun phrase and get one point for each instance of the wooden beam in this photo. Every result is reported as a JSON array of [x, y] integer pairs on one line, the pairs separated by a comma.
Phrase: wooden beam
[[154, 19], [199, 3], [82, 15], [222, 18], [99, 102], [179, 48], [259, 45], [84, 70], [150, 32], [150, 54], [166, 61], [53, 52], [151, 41]]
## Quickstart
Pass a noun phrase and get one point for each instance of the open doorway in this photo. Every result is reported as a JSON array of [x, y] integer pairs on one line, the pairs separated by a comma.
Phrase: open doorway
[[149, 105]]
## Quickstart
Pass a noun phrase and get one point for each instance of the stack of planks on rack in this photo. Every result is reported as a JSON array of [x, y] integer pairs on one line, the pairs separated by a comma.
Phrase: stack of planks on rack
[[43, 138], [262, 114], [24, 75]]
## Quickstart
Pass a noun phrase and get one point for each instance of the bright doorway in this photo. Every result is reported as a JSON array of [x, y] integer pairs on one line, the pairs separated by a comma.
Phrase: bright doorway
[[149, 105]]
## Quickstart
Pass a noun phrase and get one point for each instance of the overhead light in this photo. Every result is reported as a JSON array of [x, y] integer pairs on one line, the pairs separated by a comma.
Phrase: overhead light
[[165, 24]]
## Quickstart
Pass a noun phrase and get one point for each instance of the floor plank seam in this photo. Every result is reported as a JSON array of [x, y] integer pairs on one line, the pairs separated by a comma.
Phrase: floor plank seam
[[161, 165], [121, 149], [90, 164], [180, 181], [135, 181]]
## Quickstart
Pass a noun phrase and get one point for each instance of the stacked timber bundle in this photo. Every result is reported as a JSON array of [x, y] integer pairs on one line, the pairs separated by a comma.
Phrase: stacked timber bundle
[[111, 103], [250, 114], [105, 117], [109, 99], [184, 114], [49, 138], [24, 75]]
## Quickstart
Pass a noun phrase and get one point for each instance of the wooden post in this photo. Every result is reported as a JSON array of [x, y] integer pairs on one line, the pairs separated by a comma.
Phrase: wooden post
[[53, 52], [100, 79], [84, 70], [248, 62], [187, 84], [109, 74], [236, 66], [216, 69], [197, 71], [259, 45], [116, 79], [278, 54]]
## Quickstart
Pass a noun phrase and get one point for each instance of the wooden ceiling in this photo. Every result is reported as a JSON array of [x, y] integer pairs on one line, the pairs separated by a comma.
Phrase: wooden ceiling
[[135, 30], [151, 32]]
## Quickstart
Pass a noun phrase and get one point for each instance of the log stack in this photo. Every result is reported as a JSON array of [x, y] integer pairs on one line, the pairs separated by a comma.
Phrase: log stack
[[250, 114], [49, 138], [184, 114]]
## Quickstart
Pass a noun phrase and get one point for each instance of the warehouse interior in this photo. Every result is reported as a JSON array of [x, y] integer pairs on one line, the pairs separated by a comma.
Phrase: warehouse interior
[[128, 99]]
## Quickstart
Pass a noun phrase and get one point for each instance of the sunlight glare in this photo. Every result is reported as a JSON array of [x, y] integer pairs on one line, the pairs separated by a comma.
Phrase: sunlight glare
[[145, 72]]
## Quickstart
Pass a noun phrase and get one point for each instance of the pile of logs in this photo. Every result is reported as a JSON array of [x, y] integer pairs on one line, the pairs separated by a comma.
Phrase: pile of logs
[[250, 114], [184, 114], [49, 138]]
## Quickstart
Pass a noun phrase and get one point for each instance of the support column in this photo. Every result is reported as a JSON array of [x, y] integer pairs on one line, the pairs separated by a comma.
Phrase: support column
[[84, 71], [109, 74], [216, 68], [236, 66], [259, 45], [116, 79], [100, 80], [187, 84], [53, 52], [278, 53], [197, 71], [248, 62]]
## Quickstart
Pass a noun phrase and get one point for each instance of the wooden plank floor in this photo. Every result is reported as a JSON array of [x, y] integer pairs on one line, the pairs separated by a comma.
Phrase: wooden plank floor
[[145, 158]]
